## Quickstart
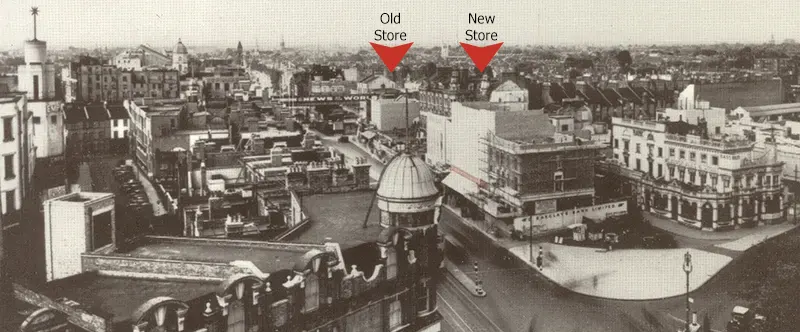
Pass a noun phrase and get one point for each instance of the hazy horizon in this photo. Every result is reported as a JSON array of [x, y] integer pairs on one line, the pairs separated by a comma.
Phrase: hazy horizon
[[351, 24]]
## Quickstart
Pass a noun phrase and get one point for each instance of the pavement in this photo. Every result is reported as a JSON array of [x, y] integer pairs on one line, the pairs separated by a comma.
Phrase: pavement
[[152, 195], [625, 274], [351, 151]]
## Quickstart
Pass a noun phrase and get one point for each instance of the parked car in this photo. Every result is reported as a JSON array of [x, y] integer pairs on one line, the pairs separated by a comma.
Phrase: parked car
[[745, 320], [344, 139]]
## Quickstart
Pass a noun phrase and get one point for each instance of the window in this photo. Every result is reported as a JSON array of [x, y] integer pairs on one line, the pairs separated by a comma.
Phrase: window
[[672, 152], [116, 134], [660, 170], [369, 319], [8, 129], [124, 78], [391, 264], [53, 119], [627, 145], [37, 120], [125, 122], [312, 292], [713, 181], [35, 87], [683, 154], [125, 133], [714, 160], [395, 315], [424, 304], [227, 86], [558, 181], [638, 148], [172, 123], [564, 127], [216, 86], [8, 162], [616, 143], [11, 202], [638, 164], [116, 122], [703, 158], [660, 152], [691, 177], [691, 156]]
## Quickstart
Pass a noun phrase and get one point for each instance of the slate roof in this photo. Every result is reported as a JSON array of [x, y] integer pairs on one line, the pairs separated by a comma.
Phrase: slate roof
[[97, 112], [630, 95], [117, 112]]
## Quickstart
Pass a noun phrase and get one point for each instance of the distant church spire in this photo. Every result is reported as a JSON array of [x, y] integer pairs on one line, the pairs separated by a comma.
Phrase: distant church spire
[[34, 13]]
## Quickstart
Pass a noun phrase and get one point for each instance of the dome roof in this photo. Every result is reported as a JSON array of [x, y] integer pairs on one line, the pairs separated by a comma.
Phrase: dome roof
[[180, 48], [407, 179]]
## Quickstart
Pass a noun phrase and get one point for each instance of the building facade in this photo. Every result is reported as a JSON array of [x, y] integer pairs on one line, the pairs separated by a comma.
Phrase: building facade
[[698, 182], [18, 154], [88, 81], [88, 130]]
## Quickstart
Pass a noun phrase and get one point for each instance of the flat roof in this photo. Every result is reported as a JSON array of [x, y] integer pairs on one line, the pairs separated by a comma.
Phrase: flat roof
[[268, 257], [340, 217], [122, 296]]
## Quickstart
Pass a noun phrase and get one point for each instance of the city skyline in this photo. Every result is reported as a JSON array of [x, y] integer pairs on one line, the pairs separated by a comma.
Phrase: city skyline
[[352, 24]]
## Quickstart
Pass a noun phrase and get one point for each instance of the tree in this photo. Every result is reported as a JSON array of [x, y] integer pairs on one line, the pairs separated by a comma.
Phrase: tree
[[745, 59], [429, 69], [624, 59]]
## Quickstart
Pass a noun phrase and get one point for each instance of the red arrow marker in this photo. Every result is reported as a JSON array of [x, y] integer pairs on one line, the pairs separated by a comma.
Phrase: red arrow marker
[[391, 55], [481, 56]]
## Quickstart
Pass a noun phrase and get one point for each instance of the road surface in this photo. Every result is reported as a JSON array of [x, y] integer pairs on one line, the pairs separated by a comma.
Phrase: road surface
[[351, 151], [518, 299]]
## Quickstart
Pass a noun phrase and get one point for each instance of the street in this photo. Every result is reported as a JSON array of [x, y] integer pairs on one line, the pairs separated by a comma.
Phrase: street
[[519, 299]]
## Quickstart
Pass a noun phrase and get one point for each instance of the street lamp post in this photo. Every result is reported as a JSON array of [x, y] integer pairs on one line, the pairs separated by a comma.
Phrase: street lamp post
[[687, 267]]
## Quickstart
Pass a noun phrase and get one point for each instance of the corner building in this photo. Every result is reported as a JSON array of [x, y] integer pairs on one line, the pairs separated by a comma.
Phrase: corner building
[[383, 279], [711, 184]]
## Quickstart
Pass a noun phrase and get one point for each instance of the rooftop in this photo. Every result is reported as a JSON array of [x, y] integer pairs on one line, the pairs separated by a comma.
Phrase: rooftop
[[340, 217], [121, 296], [268, 257], [768, 110], [83, 197], [485, 105]]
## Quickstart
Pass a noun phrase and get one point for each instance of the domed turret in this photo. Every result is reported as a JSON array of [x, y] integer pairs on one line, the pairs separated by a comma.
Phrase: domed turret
[[407, 192], [180, 48]]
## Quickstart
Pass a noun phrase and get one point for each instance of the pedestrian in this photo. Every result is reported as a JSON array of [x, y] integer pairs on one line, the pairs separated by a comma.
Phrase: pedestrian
[[539, 262]]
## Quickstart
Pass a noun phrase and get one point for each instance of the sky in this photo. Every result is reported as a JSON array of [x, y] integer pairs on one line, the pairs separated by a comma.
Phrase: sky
[[351, 23]]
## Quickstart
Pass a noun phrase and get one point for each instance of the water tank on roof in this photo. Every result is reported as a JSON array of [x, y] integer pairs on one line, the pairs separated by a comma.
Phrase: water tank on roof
[[35, 51]]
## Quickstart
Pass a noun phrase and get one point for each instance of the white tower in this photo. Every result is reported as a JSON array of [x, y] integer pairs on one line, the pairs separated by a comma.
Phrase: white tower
[[37, 78], [445, 51], [180, 58]]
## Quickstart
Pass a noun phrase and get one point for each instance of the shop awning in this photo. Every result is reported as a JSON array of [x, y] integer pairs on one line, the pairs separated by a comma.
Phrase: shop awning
[[460, 184], [368, 134]]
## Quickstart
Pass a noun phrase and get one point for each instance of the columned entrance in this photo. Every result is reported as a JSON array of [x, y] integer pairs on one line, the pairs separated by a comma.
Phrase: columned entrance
[[674, 205], [707, 217]]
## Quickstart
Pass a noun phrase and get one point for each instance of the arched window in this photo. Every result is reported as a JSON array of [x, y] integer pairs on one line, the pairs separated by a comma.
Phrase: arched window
[[391, 264], [312, 292]]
